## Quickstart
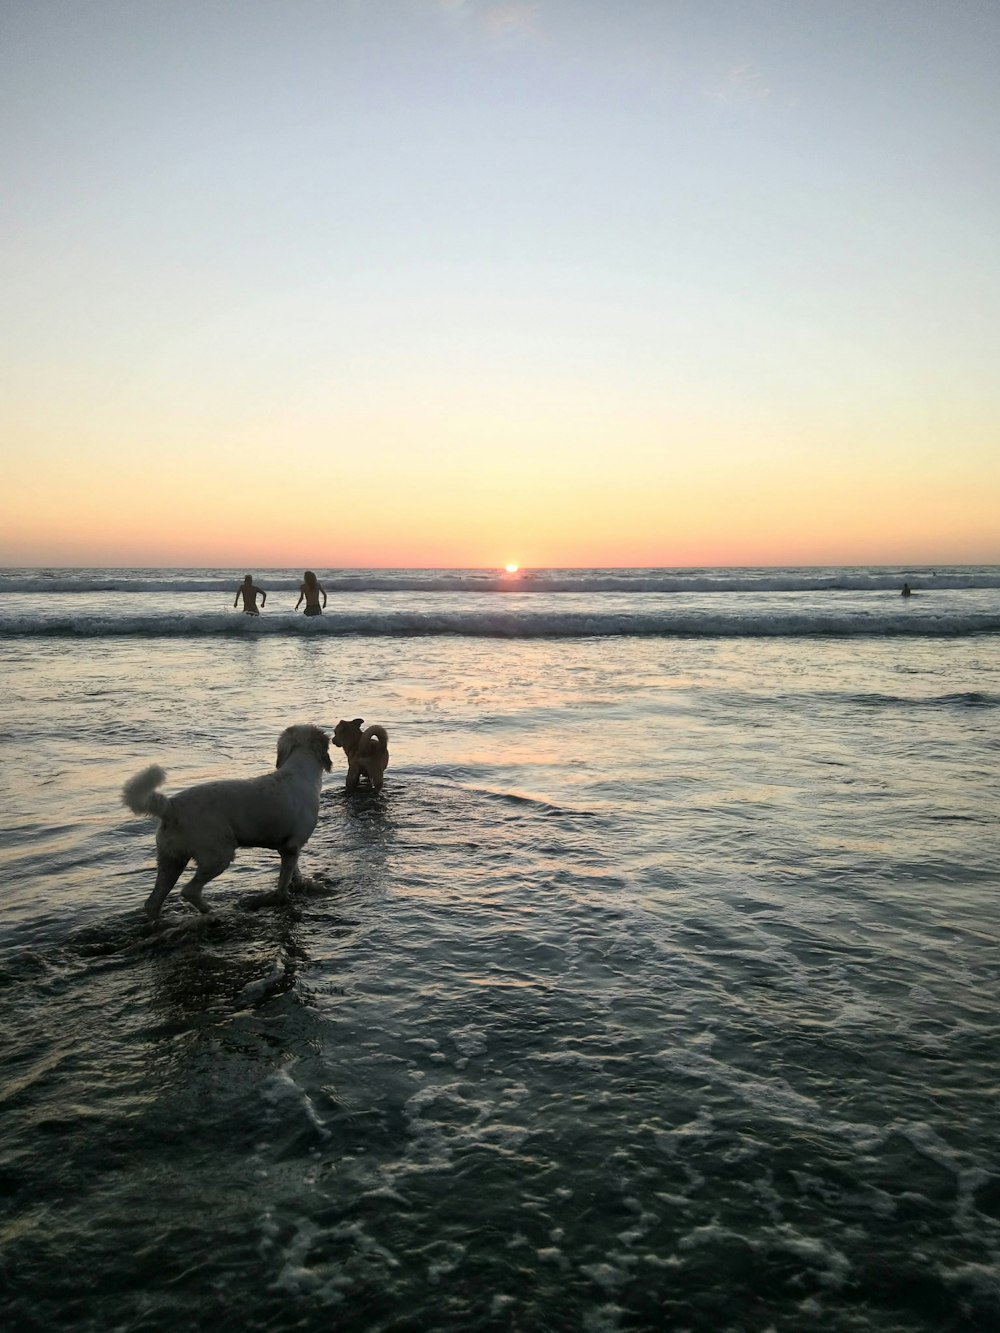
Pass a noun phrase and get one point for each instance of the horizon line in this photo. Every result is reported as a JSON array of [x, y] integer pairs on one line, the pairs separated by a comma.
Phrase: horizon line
[[530, 569]]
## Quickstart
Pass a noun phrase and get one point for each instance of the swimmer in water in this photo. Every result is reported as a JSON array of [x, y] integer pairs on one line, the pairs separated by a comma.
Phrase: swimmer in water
[[311, 590], [250, 592]]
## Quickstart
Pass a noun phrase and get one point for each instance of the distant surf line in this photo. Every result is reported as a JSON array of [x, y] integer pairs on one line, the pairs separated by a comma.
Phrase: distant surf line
[[526, 625]]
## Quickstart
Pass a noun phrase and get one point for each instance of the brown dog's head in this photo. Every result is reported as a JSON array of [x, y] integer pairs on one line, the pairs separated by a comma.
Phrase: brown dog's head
[[304, 737], [347, 734]]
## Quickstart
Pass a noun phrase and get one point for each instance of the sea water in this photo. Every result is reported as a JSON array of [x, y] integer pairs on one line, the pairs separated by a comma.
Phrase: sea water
[[657, 989]]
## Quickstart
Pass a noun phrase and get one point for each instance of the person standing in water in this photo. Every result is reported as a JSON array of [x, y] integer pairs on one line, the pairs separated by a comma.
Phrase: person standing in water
[[250, 592], [312, 590]]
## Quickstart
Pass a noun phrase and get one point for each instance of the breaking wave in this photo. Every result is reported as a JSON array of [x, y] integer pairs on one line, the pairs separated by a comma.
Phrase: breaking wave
[[513, 625]]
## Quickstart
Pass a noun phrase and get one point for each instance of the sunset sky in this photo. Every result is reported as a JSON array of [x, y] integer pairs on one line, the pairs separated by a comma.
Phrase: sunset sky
[[457, 283]]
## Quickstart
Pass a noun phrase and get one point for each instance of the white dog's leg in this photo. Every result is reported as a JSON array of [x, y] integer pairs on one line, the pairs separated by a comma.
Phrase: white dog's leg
[[168, 872], [289, 873], [192, 889]]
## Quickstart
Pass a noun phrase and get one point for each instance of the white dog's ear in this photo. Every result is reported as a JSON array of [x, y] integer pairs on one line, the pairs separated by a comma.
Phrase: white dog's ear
[[284, 747], [322, 743]]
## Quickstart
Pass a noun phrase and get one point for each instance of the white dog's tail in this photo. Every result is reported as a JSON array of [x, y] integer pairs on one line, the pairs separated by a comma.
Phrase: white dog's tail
[[141, 796], [377, 738]]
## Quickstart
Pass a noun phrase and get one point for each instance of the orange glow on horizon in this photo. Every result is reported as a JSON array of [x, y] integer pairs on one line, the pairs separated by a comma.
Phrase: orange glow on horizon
[[663, 511]]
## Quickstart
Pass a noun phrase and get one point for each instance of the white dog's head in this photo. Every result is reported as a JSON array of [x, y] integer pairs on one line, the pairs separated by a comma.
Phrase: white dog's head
[[304, 737]]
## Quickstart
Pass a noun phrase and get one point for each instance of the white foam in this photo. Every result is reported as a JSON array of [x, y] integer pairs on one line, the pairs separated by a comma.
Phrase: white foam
[[552, 1255], [674, 1141], [605, 1319], [325, 1281], [443, 1119], [711, 1233], [605, 1275], [254, 991], [721, 622], [833, 1264], [294, 1276], [983, 1279], [775, 1096], [452, 1256], [281, 1090], [469, 1040]]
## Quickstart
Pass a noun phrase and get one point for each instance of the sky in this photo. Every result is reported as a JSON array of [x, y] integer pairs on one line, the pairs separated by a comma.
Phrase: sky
[[459, 283]]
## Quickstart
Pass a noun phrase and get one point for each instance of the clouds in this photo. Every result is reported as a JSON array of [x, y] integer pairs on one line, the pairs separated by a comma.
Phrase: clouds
[[501, 21], [744, 83], [512, 20]]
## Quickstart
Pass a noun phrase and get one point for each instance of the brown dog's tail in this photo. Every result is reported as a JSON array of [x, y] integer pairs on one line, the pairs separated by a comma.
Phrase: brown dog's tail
[[141, 796], [378, 738]]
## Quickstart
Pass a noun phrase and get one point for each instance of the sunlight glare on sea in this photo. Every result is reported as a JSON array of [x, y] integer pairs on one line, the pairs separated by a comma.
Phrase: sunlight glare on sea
[[657, 988]]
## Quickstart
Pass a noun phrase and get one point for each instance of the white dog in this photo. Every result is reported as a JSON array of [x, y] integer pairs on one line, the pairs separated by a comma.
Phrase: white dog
[[208, 822], [367, 751]]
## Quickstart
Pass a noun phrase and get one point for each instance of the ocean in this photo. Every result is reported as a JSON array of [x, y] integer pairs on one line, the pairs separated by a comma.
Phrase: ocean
[[657, 990]]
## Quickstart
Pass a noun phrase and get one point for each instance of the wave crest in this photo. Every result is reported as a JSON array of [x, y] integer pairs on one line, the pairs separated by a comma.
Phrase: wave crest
[[512, 625]]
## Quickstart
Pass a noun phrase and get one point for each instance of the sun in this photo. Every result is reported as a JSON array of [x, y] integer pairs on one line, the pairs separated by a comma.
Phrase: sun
[[511, 569]]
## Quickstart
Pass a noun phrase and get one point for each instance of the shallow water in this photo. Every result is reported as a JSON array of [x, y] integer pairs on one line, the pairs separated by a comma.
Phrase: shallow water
[[658, 989]]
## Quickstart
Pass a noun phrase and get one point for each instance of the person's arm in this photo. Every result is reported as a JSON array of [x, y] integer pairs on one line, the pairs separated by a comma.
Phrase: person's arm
[[263, 596], [323, 591], [237, 597], [299, 602]]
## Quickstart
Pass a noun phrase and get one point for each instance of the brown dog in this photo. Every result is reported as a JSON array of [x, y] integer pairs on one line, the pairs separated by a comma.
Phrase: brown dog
[[367, 751]]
